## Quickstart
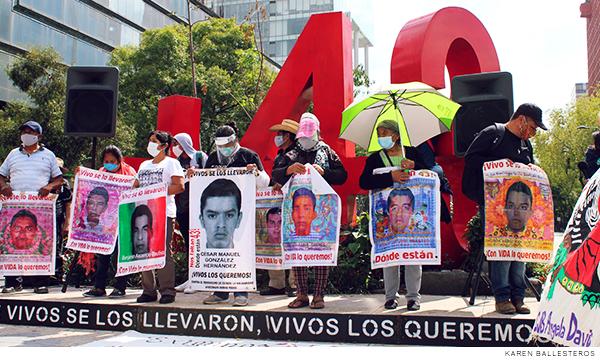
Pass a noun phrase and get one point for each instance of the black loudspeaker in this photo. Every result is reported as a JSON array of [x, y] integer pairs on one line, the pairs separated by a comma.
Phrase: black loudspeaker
[[486, 98], [92, 93]]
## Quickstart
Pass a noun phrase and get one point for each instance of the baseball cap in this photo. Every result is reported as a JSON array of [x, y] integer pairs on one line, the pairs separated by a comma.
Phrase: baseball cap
[[309, 125], [32, 125], [532, 111]]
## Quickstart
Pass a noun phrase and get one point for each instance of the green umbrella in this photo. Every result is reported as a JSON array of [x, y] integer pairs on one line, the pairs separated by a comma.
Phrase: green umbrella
[[421, 111]]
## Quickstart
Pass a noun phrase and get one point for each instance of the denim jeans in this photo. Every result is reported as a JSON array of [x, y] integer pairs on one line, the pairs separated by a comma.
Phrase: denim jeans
[[507, 277], [508, 280]]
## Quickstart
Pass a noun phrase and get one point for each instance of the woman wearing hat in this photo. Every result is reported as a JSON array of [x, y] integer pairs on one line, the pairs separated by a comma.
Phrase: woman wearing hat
[[310, 149], [392, 154], [285, 139]]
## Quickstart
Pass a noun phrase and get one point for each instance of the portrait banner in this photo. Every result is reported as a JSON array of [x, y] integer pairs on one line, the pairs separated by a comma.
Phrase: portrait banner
[[27, 234], [404, 224], [142, 229], [222, 230], [311, 217], [95, 217], [569, 309], [519, 213], [269, 254]]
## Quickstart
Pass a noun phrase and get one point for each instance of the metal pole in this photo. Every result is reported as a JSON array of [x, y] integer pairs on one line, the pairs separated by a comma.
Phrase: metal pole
[[94, 151], [191, 49]]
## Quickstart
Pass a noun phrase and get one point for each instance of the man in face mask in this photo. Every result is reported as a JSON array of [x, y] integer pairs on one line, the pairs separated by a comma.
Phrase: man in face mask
[[495, 142], [30, 167]]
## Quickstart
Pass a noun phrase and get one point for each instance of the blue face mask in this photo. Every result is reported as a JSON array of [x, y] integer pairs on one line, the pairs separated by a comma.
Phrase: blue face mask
[[111, 167], [386, 142], [226, 151], [279, 140]]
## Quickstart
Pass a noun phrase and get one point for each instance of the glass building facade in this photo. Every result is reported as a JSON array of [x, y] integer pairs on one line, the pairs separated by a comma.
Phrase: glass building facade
[[83, 32], [278, 23]]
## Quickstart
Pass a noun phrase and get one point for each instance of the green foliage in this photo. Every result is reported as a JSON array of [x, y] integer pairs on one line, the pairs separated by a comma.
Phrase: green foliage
[[353, 273], [559, 149], [41, 76], [231, 78], [474, 237]]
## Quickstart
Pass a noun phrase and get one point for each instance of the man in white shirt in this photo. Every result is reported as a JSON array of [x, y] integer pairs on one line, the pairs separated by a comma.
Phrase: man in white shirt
[[30, 167]]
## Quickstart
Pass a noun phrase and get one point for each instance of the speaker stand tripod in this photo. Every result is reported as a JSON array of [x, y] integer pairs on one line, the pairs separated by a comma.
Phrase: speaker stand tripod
[[476, 271]]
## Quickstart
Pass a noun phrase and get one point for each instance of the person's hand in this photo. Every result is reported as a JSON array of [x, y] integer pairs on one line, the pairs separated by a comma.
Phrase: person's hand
[[400, 176], [7, 191], [277, 187], [407, 164], [76, 171], [295, 168], [251, 167], [319, 169], [189, 172], [44, 191]]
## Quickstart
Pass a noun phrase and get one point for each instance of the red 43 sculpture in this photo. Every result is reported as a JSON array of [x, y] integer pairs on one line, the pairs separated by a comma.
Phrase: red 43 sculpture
[[319, 69]]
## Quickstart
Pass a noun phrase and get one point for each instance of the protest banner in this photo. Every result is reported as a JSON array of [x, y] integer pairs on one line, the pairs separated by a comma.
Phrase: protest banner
[[95, 217], [27, 234], [405, 222], [142, 229], [222, 230], [268, 229], [519, 215], [569, 309], [310, 221]]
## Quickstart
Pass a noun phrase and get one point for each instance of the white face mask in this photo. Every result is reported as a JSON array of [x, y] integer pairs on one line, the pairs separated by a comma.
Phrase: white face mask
[[29, 139], [153, 149], [307, 143], [177, 151]]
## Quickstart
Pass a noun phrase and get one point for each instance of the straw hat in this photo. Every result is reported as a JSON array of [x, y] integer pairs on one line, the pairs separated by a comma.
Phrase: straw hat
[[286, 125]]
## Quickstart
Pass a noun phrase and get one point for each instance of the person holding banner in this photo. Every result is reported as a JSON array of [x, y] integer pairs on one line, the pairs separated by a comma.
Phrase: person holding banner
[[496, 142], [285, 139], [30, 167], [161, 169], [309, 149], [401, 202], [188, 157], [113, 163], [228, 154]]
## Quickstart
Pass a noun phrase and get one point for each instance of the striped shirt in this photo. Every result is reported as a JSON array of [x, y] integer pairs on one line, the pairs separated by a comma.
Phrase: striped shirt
[[30, 172]]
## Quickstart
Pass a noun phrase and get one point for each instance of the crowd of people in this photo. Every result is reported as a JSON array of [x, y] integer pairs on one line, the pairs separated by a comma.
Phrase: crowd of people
[[33, 167]]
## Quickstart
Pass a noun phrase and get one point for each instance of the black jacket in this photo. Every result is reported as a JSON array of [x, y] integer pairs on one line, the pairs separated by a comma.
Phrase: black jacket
[[334, 172], [485, 147], [424, 159]]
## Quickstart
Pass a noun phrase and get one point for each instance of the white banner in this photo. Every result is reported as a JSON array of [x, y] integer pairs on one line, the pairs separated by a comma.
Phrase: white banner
[[311, 221], [94, 217], [519, 215], [569, 311], [405, 222], [27, 234], [142, 229], [222, 230], [269, 254]]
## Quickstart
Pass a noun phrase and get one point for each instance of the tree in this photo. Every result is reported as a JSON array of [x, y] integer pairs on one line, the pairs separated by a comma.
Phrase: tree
[[42, 76], [229, 76], [559, 149]]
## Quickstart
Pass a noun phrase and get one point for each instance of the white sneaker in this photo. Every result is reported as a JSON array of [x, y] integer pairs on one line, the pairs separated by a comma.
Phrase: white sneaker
[[189, 290], [182, 287]]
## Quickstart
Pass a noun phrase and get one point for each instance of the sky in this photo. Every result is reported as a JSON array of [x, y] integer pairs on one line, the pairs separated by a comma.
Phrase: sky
[[542, 43]]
